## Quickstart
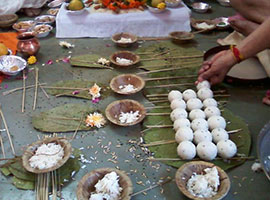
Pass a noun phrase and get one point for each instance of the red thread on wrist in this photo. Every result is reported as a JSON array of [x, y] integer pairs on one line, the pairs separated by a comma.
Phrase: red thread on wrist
[[236, 53]]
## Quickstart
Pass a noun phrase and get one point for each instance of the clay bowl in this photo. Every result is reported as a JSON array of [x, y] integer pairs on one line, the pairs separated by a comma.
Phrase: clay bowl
[[126, 79], [184, 173], [8, 20], [194, 23], [127, 55], [87, 184], [181, 36], [30, 151], [114, 109], [117, 37]]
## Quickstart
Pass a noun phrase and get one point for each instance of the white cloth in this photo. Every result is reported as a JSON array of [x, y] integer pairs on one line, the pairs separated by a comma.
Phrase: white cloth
[[12, 6], [143, 24]]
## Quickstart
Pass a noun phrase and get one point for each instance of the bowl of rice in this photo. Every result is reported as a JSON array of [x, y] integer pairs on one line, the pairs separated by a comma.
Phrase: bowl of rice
[[105, 183], [127, 84], [201, 180], [203, 24], [124, 58], [124, 39], [125, 112]]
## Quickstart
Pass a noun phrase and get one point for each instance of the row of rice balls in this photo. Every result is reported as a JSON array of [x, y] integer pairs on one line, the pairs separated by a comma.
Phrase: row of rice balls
[[198, 130]]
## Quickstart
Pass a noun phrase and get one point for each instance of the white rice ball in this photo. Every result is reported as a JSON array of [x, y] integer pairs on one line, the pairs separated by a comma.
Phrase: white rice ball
[[178, 103], [212, 111], [226, 148], [203, 84], [178, 113], [210, 102], [184, 134], [197, 124], [207, 150], [216, 122], [194, 103], [189, 94], [205, 93], [174, 94], [186, 150], [202, 135], [219, 134], [196, 114], [181, 123]]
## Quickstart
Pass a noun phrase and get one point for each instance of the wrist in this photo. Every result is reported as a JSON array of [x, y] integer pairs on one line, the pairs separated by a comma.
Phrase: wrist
[[231, 60]]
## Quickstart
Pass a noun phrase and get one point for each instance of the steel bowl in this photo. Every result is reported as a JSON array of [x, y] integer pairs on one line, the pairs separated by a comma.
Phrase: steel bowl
[[222, 23], [44, 34], [224, 3], [200, 7], [74, 12], [173, 4], [31, 23], [40, 19], [155, 10], [9, 62], [55, 3], [53, 11]]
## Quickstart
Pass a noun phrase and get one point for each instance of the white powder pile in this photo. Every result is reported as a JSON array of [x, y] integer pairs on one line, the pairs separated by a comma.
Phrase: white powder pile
[[204, 25], [127, 88], [123, 61], [46, 156], [124, 40], [129, 117], [107, 188], [204, 186]]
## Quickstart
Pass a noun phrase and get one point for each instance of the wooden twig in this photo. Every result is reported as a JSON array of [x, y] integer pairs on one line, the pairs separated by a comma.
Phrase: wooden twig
[[218, 158], [151, 128], [171, 64], [222, 95], [2, 146], [77, 128], [153, 38], [157, 107], [170, 78], [65, 88], [23, 94], [157, 114], [163, 70], [151, 187], [7, 130], [156, 98], [159, 143], [99, 66], [159, 126], [36, 90], [177, 57], [20, 88], [170, 85], [159, 101]]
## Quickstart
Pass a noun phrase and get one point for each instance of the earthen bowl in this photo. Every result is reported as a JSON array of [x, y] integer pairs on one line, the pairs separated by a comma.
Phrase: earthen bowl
[[126, 79], [194, 23], [184, 173], [181, 36], [8, 20], [117, 37], [87, 184], [31, 149], [127, 55], [114, 109]]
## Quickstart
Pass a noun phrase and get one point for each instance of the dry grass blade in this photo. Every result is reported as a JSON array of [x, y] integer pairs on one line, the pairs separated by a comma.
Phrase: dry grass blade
[[2, 146], [36, 90], [170, 85], [23, 94], [159, 126], [178, 57], [159, 143], [6, 127], [170, 78], [20, 88], [158, 114], [164, 70], [77, 128]]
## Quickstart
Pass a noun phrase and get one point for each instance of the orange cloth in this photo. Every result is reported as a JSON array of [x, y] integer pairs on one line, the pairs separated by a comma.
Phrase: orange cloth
[[10, 40]]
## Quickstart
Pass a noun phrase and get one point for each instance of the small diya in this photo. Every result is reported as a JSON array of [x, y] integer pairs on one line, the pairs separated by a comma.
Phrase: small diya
[[124, 58], [87, 184], [127, 84], [185, 172], [124, 39], [125, 112], [199, 23], [31, 150]]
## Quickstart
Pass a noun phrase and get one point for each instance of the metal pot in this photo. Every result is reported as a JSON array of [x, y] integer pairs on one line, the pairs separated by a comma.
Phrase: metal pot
[[28, 44]]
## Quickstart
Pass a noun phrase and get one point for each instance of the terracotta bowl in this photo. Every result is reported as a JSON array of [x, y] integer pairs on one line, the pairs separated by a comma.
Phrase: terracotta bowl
[[8, 20], [194, 23], [114, 109], [30, 151], [184, 173], [126, 79], [181, 36], [116, 37], [127, 55], [87, 184]]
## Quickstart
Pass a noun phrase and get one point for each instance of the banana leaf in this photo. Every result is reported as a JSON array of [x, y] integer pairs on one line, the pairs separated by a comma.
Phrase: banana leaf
[[65, 118], [23, 184], [242, 139], [89, 60], [105, 91], [5, 171]]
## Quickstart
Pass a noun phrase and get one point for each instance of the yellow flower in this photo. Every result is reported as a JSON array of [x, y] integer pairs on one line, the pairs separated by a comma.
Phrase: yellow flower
[[161, 6], [95, 119], [32, 60]]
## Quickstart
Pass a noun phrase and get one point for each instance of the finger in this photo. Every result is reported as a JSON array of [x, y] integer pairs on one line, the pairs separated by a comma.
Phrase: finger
[[203, 69], [208, 74], [215, 80]]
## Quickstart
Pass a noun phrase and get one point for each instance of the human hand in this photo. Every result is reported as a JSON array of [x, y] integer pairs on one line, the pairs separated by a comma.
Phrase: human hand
[[216, 69]]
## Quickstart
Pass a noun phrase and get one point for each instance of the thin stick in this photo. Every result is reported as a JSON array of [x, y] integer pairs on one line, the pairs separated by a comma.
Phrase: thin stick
[[65, 88], [170, 85], [178, 57], [20, 88], [77, 128], [157, 114], [169, 78], [23, 94], [36, 90], [159, 126], [6, 127], [159, 101], [159, 143], [172, 64], [150, 128], [151, 187], [222, 95], [156, 98], [163, 70], [153, 38], [157, 107], [235, 131], [2, 146], [166, 94], [179, 159], [96, 65]]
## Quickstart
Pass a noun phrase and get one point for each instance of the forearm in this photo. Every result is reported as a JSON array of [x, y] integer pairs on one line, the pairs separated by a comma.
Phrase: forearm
[[257, 41]]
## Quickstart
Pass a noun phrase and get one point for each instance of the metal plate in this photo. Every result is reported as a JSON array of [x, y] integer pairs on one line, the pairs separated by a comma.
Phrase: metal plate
[[263, 149]]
